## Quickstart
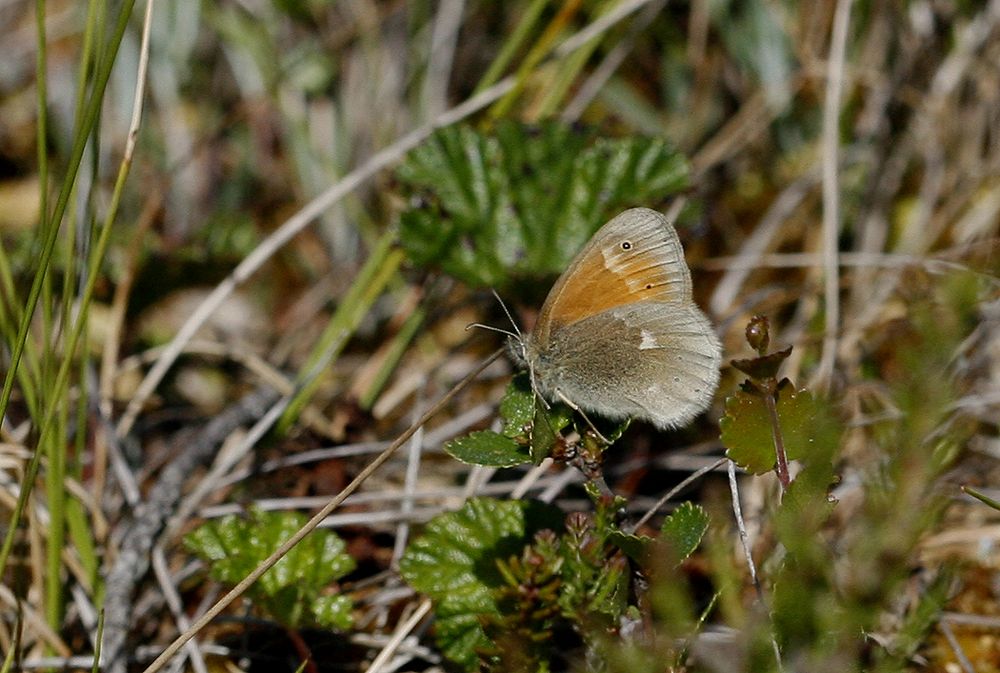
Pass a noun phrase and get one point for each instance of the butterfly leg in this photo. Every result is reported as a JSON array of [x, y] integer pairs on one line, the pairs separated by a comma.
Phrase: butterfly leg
[[572, 405], [534, 389]]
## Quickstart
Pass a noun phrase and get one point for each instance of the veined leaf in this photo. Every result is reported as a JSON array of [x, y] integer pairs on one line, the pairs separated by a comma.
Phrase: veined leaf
[[487, 448], [747, 430], [454, 562], [293, 590], [522, 202]]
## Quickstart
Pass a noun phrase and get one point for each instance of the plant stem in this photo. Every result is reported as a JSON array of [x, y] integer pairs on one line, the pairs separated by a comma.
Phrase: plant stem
[[779, 444], [302, 650]]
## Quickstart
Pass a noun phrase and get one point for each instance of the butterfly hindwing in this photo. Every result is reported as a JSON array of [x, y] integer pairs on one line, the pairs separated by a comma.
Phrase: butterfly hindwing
[[660, 360]]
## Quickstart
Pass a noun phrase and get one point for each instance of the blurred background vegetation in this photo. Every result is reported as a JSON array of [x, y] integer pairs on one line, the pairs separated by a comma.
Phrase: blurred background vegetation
[[840, 173]]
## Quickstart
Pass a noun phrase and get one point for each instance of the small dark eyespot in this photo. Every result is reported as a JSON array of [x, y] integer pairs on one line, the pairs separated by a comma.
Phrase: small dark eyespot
[[649, 286], [677, 379], [626, 245]]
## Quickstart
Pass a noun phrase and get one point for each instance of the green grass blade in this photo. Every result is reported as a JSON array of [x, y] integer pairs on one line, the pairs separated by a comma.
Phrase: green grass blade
[[397, 348], [513, 46], [372, 280], [94, 104]]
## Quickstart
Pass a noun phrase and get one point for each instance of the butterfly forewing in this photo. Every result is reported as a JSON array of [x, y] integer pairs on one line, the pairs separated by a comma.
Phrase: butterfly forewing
[[635, 257]]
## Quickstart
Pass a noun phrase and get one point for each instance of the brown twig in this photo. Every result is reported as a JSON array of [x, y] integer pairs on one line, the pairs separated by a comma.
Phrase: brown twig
[[779, 443], [194, 448]]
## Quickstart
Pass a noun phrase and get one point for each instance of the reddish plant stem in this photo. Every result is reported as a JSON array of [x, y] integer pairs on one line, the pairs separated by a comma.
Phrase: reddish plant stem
[[779, 445], [302, 650]]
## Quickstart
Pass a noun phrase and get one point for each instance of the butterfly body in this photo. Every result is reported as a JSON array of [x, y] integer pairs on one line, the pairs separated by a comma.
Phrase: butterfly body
[[619, 334]]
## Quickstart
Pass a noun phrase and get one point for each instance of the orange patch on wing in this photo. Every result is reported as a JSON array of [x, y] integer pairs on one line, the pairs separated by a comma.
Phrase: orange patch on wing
[[595, 288]]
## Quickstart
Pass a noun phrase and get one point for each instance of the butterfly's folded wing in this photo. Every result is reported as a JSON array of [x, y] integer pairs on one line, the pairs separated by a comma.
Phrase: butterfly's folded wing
[[635, 257], [661, 364], [619, 334]]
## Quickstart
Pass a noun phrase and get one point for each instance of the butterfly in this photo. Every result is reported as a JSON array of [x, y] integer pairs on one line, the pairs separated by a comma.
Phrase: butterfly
[[619, 334]]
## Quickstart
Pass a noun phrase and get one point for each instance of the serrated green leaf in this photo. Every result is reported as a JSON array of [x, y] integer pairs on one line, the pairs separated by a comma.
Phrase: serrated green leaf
[[213, 542], [796, 414], [488, 449], [460, 638], [522, 202], [517, 408], [634, 546], [684, 529], [290, 591], [454, 562], [747, 432]]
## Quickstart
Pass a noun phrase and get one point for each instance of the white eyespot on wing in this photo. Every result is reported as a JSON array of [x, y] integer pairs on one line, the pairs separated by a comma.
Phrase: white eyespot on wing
[[642, 248], [648, 340]]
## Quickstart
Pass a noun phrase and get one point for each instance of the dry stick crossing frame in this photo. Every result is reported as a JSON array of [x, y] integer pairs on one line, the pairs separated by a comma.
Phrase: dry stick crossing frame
[[315, 521]]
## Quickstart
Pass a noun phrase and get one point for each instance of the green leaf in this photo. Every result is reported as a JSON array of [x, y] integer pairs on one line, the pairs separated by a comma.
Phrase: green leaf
[[546, 428], [634, 546], [333, 612], [524, 414], [522, 202], [487, 448], [747, 432], [684, 529], [529, 431], [460, 638], [454, 562], [291, 591], [517, 408]]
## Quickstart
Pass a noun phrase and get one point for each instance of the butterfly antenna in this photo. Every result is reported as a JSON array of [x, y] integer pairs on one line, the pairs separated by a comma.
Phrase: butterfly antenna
[[491, 328], [509, 316], [516, 334]]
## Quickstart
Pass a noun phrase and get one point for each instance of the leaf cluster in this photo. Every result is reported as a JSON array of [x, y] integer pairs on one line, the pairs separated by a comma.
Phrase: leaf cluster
[[505, 572], [296, 591], [490, 208], [823, 591]]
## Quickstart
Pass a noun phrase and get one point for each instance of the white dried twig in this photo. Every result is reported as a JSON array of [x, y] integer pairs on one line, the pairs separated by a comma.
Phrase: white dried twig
[[831, 190]]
